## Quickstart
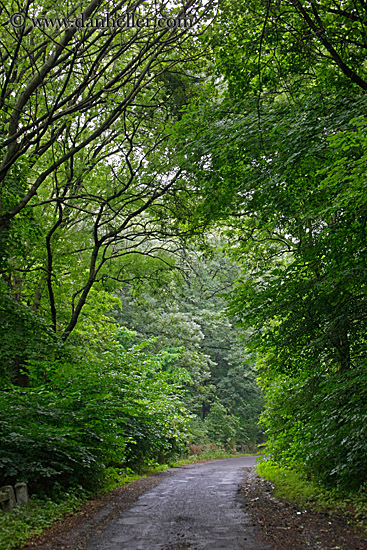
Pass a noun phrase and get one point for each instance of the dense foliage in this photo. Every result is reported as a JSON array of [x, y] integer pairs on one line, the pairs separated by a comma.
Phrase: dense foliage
[[76, 420], [146, 182], [278, 148]]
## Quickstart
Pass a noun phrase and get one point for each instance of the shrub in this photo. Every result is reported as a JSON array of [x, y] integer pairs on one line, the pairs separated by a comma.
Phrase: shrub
[[321, 422], [119, 409]]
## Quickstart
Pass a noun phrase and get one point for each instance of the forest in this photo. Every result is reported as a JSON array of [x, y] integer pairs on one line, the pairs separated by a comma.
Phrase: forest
[[183, 258]]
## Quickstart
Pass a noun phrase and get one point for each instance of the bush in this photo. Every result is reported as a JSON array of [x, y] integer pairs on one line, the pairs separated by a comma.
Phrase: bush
[[321, 422], [117, 410]]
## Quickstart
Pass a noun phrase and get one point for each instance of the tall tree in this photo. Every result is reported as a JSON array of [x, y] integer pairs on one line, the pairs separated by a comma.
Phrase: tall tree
[[87, 181], [280, 158]]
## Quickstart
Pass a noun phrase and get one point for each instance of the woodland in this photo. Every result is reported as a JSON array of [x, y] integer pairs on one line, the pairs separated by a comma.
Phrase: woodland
[[183, 258]]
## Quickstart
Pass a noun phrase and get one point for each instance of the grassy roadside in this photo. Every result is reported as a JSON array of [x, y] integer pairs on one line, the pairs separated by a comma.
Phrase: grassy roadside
[[292, 486], [21, 524]]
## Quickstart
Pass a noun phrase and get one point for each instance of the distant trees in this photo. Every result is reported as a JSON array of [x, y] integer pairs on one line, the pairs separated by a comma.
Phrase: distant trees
[[185, 313]]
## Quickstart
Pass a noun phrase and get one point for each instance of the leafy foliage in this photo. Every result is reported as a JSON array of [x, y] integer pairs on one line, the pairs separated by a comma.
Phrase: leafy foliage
[[119, 410], [279, 152], [326, 417], [24, 336], [186, 313]]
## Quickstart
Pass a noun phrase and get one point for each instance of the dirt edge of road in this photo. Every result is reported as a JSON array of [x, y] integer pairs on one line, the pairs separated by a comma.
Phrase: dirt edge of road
[[284, 526]]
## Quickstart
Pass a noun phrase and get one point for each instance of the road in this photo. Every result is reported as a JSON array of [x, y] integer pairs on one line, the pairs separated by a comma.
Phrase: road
[[199, 507], [196, 506]]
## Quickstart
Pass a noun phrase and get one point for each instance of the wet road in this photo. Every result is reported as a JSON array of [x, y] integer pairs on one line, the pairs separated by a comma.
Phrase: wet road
[[196, 506]]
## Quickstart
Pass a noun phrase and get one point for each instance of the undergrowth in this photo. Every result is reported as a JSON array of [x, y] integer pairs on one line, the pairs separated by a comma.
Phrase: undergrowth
[[292, 485], [19, 525], [205, 455]]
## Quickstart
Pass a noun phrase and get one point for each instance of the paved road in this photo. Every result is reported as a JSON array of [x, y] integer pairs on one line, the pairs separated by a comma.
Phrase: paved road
[[195, 506]]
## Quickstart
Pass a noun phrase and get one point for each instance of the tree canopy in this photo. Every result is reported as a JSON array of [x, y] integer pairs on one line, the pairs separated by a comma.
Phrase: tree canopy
[[278, 149]]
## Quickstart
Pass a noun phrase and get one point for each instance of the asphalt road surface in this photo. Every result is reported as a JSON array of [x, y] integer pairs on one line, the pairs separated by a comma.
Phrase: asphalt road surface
[[196, 507]]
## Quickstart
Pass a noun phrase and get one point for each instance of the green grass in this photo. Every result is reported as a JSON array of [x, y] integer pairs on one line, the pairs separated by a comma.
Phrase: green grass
[[19, 525], [292, 486]]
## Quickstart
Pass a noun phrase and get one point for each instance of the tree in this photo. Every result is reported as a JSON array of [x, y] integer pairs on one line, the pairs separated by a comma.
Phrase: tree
[[87, 181], [280, 157], [98, 77], [290, 45], [266, 164]]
